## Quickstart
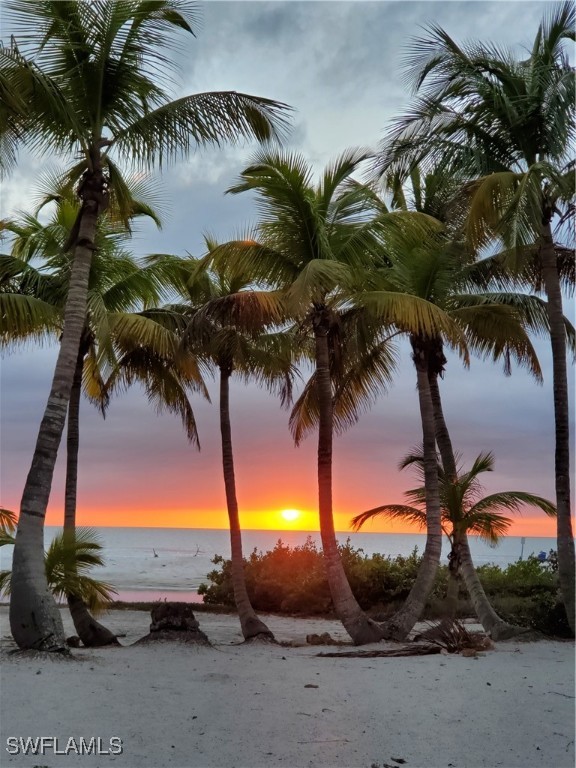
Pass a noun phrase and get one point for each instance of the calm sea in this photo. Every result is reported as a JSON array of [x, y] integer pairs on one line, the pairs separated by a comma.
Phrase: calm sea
[[153, 563]]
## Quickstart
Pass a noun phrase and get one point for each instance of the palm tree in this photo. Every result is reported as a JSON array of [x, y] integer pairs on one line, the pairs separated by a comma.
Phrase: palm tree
[[102, 62], [317, 243], [67, 563], [226, 323], [131, 345], [510, 125], [422, 263], [441, 269], [464, 511]]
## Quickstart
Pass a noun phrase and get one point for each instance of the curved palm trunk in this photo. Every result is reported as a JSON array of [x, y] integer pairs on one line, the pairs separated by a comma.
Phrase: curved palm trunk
[[90, 631], [360, 628], [494, 625], [35, 620], [252, 626], [402, 622], [566, 569], [452, 592]]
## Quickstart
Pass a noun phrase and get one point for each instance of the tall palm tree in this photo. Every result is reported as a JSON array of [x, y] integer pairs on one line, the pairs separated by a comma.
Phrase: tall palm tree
[[432, 268], [105, 66], [132, 346], [443, 269], [316, 243], [510, 125], [464, 511], [228, 326]]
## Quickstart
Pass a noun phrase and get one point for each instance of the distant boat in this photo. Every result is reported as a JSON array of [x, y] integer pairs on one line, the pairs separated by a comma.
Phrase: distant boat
[[155, 555]]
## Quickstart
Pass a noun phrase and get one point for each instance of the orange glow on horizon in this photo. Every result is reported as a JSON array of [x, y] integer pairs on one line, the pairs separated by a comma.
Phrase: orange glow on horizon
[[264, 519]]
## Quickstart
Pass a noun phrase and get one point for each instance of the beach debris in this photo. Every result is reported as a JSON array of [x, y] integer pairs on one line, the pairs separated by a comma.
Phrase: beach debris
[[174, 621], [325, 741], [453, 637], [423, 649], [324, 639], [311, 685]]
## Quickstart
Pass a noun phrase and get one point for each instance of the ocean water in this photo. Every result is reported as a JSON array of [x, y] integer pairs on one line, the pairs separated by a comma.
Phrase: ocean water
[[153, 563]]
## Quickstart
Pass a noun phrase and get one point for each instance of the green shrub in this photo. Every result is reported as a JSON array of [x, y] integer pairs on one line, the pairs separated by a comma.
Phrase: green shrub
[[525, 578], [543, 613], [293, 580]]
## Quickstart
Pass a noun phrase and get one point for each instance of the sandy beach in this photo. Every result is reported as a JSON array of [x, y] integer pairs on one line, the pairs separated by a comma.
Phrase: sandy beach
[[254, 706]]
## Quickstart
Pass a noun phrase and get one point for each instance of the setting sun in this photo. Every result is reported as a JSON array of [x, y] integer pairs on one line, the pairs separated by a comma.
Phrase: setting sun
[[290, 514]]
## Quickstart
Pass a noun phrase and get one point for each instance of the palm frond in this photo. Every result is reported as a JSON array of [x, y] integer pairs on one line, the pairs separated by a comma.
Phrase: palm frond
[[402, 512], [202, 119], [69, 559], [92, 381], [136, 331], [8, 520], [128, 198], [513, 501], [247, 310], [166, 382], [490, 527], [410, 314], [316, 280], [494, 329], [25, 318]]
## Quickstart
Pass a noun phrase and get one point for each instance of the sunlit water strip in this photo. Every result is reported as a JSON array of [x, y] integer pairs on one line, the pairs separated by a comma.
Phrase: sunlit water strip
[[146, 564]]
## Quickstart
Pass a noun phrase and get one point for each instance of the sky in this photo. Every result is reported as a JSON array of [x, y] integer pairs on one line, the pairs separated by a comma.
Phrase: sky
[[338, 64]]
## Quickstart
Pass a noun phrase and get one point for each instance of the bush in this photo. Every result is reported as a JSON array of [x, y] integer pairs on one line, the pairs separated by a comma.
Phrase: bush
[[525, 578], [293, 580], [543, 613]]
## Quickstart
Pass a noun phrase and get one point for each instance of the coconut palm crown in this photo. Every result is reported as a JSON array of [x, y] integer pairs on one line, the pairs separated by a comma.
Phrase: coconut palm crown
[[464, 508]]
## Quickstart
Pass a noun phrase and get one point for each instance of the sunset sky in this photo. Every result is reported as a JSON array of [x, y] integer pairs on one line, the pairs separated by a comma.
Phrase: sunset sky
[[338, 64]]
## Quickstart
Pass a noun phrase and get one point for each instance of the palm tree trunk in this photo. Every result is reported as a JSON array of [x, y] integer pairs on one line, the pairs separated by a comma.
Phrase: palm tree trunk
[[252, 626], [452, 594], [90, 631], [566, 567], [360, 628], [494, 625], [35, 620], [441, 430], [402, 622]]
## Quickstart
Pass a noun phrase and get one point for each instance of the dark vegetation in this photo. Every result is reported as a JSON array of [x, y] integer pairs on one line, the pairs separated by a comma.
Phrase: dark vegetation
[[292, 580]]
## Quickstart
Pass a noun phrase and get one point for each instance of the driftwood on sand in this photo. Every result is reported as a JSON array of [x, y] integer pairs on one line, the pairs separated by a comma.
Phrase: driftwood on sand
[[421, 649]]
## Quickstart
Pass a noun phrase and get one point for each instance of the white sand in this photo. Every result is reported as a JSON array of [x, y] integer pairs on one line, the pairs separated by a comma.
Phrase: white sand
[[235, 706]]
